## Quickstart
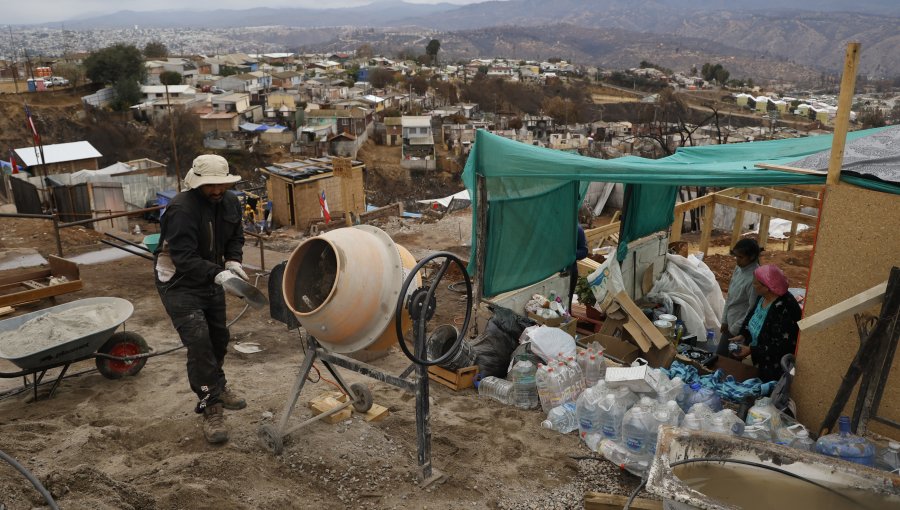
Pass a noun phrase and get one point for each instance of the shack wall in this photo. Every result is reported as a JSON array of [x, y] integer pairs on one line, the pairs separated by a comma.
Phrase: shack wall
[[856, 246]]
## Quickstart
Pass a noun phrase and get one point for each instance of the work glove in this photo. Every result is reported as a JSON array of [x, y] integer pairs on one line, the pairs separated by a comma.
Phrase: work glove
[[236, 268], [224, 276]]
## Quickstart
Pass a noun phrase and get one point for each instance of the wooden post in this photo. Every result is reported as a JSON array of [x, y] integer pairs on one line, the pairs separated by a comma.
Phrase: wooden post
[[481, 195], [676, 227], [764, 225], [706, 227], [792, 241], [842, 119], [738, 227]]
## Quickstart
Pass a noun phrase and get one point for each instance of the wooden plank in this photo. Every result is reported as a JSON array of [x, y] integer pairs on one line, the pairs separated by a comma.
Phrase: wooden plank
[[706, 226], [792, 240], [785, 196], [376, 413], [677, 225], [764, 225], [36, 294], [6, 310], [858, 303], [637, 315], [773, 212], [31, 284], [738, 228], [20, 277], [791, 169], [603, 501], [842, 118], [587, 266], [455, 380], [684, 207], [597, 235]]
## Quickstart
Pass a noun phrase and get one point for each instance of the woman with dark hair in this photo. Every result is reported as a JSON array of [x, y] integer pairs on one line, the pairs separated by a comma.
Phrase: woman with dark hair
[[770, 329], [741, 295]]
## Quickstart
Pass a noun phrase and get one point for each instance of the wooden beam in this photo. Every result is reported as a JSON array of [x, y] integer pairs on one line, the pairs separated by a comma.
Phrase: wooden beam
[[599, 234], [738, 228], [842, 119], [602, 501], [785, 196], [774, 212], [791, 169], [792, 240], [764, 225], [706, 225], [677, 225], [684, 207], [858, 303]]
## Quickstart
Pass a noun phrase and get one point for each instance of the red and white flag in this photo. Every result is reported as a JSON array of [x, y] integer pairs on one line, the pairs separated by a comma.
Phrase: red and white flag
[[12, 162], [34, 133], [324, 204]]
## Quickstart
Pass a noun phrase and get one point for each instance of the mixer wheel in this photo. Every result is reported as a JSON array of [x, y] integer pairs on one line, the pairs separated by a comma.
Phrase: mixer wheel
[[270, 439], [363, 401]]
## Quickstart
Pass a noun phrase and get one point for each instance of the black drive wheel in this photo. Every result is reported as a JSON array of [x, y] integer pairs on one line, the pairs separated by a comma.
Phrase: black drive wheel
[[270, 439], [121, 345], [363, 401]]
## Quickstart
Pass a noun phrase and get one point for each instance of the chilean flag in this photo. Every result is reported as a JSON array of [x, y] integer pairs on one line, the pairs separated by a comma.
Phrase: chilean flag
[[37, 137], [12, 163], [324, 204]]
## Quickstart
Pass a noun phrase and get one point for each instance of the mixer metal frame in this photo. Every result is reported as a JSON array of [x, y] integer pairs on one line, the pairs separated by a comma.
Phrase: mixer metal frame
[[420, 304]]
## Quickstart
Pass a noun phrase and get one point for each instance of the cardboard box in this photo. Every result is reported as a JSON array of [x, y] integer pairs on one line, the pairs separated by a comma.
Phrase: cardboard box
[[622, 345], [557, 322]]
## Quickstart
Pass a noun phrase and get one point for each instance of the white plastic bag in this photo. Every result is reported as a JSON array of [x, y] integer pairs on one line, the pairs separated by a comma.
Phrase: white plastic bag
[[547, 342], [606, 282]]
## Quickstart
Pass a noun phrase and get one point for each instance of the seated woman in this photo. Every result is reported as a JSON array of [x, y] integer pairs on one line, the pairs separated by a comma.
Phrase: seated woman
[[769, 330]]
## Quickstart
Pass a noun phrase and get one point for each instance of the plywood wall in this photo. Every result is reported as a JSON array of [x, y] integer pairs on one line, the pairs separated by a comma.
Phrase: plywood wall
[[857, 244]]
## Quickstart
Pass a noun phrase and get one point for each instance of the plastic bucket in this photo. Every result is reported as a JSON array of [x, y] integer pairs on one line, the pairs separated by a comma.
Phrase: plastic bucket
[[441, 341]]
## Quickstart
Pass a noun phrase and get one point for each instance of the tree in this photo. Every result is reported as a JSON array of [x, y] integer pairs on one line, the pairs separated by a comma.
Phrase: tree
[[381, 77], [895, 113], [872, 118], [156, 49], [121, 66], [434, 46], [170, 78], [418, 83], [715, 73], [365, 50], [70, 71]]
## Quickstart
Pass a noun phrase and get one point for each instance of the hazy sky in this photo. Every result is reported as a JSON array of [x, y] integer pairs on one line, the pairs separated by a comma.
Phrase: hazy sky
[[45, 11]]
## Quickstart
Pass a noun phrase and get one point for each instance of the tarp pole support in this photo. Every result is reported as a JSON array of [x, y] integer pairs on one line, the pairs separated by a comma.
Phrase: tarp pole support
[[764, 220], [706, 226], [738, 226], [481, 237], [842, 119]]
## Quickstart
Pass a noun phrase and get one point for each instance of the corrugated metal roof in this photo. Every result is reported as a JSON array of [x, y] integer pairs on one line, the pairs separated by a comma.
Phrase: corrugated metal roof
[[58, 153]]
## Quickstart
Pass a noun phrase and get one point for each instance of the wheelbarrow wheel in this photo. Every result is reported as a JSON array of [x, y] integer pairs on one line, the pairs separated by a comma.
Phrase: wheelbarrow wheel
[[120, 345]]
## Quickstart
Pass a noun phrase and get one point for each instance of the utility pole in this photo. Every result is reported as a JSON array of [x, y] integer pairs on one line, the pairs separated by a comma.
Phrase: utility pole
[[172, 133], [15, 73]]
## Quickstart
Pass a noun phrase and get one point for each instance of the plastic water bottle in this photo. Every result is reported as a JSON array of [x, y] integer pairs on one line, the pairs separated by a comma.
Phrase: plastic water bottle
[[595, 369], [701, 411], [676, 415], [765, 414], [846, 445], [587, 410], [525, 394], [625, 397], [611, 413], [636, 429], [581, 358], [564, 376], [702, 395], [579, 382], [670, 390], [692, 422], [542, 381], [561, 419], [496, 388], [804, 442], [661, 416], [622, 457], [889, 458]]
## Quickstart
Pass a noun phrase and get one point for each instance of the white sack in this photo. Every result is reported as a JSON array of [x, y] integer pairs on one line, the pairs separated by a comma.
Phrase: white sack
[[547, 342]]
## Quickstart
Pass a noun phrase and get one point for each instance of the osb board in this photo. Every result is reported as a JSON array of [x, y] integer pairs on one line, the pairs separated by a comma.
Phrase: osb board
[[856, 247]]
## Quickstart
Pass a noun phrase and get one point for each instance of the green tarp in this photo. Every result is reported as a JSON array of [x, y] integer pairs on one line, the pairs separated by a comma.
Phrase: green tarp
[[534, 193]]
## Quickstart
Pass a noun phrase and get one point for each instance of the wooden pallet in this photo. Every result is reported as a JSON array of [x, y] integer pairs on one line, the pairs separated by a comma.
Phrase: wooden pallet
[[455, 380]]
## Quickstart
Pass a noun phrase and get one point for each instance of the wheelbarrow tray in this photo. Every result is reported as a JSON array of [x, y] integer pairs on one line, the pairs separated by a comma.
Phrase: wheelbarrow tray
[[68, 349]]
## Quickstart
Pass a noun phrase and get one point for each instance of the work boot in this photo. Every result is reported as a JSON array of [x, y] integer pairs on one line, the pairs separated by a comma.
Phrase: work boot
[[231, 400], [214, 424]]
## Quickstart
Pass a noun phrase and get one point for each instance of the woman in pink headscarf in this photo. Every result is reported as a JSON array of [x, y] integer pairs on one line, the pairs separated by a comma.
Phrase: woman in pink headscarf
[[770, 328]]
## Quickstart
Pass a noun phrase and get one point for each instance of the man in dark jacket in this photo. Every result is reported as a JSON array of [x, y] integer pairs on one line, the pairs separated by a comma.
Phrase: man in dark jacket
[[201, 247]]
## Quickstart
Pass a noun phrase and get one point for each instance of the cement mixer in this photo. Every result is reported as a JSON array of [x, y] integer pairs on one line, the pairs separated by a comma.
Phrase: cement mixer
[[354, 289]]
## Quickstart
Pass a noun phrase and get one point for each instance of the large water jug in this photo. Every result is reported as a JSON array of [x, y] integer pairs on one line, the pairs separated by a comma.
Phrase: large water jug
[[637, 428], [624, 458], [676, 415], [703, 395], [889, 458], [587, 409], [846, 445], [496, 388], [525, 394], [624, 396], [672, 390], [561, 419], [611, 413], [692, 422], [764, 414]]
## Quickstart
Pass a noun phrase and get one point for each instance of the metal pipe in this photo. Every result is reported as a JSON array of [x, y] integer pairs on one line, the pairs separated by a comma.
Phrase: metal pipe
[[123, 248], [111, 216], [23, 215], [126, 241]]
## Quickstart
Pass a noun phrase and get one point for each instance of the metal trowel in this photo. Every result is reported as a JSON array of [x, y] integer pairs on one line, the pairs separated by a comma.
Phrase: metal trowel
[[247, 292]]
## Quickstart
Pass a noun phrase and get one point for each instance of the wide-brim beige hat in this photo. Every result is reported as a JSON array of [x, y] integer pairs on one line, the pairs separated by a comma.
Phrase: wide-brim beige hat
[[209, 169]]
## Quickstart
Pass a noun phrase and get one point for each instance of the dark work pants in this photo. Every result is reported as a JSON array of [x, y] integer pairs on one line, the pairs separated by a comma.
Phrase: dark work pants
[[198, 314]]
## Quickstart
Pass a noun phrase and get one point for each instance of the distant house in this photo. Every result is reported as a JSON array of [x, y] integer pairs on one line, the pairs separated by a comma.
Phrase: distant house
[[281, 107], [154, 92], [229, 111], [287, 79], [418, 151], [60, 158], [742, 99], [245, 82], [393, 131], [356, 122]]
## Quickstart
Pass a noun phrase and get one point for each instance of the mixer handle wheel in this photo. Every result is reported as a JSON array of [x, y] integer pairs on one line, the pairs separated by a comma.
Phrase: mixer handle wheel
[[270, 438], [429, 291], [363, 401]]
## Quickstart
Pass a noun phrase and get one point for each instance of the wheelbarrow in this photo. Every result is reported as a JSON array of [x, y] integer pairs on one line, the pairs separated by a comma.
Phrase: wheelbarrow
[[117, 355]]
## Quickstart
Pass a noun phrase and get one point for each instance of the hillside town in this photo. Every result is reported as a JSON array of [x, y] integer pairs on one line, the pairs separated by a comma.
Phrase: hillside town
[[597, 285]]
